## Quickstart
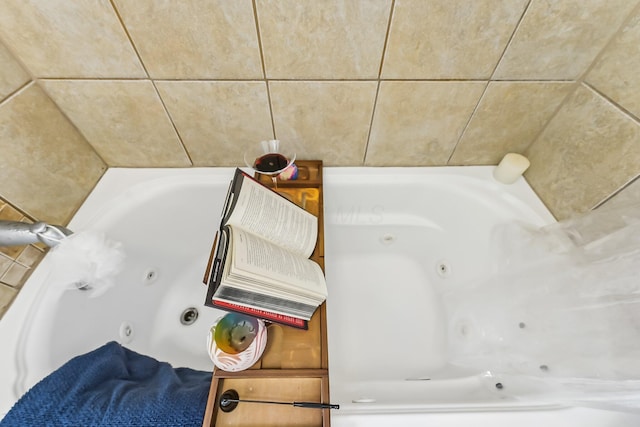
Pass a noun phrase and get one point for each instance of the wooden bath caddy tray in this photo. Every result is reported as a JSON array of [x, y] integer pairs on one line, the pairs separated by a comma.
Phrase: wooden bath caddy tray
[[294, 365]]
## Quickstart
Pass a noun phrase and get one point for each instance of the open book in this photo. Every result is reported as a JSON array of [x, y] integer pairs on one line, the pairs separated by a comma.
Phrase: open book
[[260, 261]]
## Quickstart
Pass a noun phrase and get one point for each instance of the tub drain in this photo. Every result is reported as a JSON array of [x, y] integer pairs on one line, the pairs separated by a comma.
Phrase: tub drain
[[189, 316]]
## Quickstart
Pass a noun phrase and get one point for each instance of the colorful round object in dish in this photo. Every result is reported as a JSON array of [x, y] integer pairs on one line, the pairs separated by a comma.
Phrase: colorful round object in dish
[[235, 332], [239, 361]]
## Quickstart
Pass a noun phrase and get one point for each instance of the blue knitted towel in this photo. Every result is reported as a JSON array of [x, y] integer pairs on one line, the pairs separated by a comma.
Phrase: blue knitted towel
[[114, 386]]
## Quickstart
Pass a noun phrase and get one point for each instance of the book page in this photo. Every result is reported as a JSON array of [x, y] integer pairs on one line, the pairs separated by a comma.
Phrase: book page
[[275, 266], [272, 217]]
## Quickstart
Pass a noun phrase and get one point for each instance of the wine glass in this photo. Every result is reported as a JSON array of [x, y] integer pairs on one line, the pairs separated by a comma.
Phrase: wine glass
[[269, 158]]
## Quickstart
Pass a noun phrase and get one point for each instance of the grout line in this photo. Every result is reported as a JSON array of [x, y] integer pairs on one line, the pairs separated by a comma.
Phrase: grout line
[[631, 115], [373, 114], [17, 92], [126, 31], [26, 69], [466, 126], [270, 103], [508, 44], [610, 42], [386, 38], [153, 83], [533, 80], [553, 115], [208, 80], [162, 79], [258, 35], [84, 199], [166, 110], [264, 68], [17, 59], [64, 114], [614, 193], [580, 79], [379, 81], [486, 87], [93, 78]]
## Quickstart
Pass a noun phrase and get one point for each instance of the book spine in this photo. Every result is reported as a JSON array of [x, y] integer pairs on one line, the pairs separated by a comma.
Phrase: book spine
[[261, 301], [262, 314]]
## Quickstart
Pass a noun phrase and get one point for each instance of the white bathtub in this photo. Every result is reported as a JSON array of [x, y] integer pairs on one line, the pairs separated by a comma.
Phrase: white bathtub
[[393, 237]]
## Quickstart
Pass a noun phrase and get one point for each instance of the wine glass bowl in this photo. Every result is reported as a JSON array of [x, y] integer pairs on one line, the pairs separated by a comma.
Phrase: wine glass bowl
[[269, 158]]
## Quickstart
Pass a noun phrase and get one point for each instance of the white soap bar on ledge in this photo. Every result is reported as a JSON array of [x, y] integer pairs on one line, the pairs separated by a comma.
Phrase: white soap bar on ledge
[[511, 167]]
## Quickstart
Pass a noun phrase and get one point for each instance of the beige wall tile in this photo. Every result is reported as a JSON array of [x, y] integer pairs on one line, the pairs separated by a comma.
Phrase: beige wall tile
[[124, 120], [332, 39], [59, 38], [324, 120], [509, 117], [560, 39], [218, 121], [588, 151], [12, 75], [628, 195], [419, 123], [30, 256], [47, 168], [616, 72], [5, 263], [10, 213], [15, 275], [6, 297], [192, 39], [442, 39]]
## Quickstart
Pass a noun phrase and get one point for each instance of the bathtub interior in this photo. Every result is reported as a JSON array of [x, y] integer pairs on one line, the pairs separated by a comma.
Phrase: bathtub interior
[[165, 221], [393, 245], [407, 233]]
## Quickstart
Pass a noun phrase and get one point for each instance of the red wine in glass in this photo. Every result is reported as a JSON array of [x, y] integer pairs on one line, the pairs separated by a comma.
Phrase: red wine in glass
[[270, 162]]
